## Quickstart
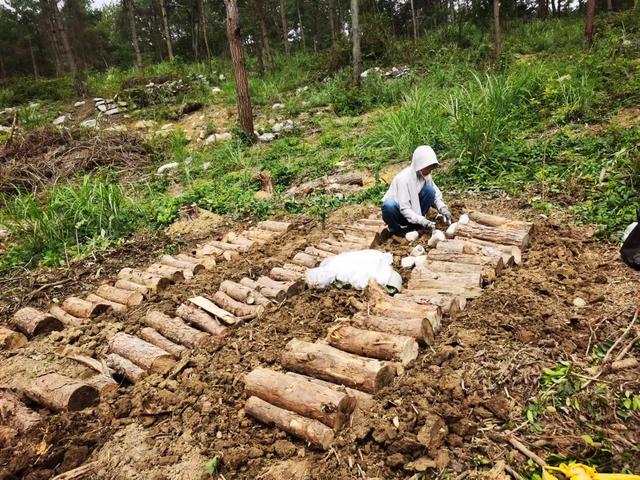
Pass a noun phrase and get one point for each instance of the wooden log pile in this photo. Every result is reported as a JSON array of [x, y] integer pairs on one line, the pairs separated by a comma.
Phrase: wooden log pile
[[332, 183]]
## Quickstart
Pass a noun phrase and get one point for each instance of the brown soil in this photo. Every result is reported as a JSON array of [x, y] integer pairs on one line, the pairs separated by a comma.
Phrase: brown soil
[[481, 374]]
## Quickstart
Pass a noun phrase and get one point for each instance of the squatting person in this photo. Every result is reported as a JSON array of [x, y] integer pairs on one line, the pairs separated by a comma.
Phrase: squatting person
[[412, 192]]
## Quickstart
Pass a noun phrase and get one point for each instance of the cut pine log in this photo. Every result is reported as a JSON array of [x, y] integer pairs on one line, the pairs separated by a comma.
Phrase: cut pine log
[[236, 239], [208, 306], [259, 235], [11, 340], [284, 275], [331, 364], [230, 255], [124, 297], [84, 308], [60, 393], [125, 368], [503, 236], [315, 252], [305, 260], [510, 250], [132, 287], [15, 414], [419, 328], [464, 246], [155, 282], [144, 354], [274, 226], [67, 319], [207, 251], [354, 178], [290, 289], [201, 319], [436, 287], [238, 292], [467, 279], [312, 431], [311, 400], [237, 308], [207, 262], [224, 246], [174, 275], [488, 273], [103, 383], [440, 256], [153, 337], [176, 330], [181, 264], [33, 322], [363, 400], [275, 294], [380, 345], [450, 304], [96, 300], [500, 222]]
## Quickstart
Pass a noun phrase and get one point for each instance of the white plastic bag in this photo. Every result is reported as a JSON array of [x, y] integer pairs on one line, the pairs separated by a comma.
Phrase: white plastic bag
[[353, 268]]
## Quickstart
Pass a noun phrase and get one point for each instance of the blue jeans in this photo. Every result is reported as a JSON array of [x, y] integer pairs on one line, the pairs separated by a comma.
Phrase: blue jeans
[[395, 220]]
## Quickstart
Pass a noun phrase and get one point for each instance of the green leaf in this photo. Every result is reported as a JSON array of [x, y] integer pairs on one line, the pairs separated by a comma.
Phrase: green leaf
[[212, 465]]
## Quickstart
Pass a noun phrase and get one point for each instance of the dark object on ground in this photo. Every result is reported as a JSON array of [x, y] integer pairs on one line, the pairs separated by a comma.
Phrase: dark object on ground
[[630, 250]]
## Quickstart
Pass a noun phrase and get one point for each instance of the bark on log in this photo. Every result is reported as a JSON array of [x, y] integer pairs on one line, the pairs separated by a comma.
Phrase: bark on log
[[500, 222], [354, 178], [519, 238], [176, 330], [338, 249], [290, 288], [67, 319], [103, 383], [96, 300], [33, 322], [125, 368], [181, 264], [284, 275], [511, 250], [238, 292], [311, 400], [155, 338], [259, 235], [144, 354], [331, 364], [201, 319], [224, 246], [442, 288], [11, 340], [463, 246], [124, 297], [274, 226], [207, 305], [236, 239], [132, 287], [207, 251], [363, 400], [305, 260], [450, 304], [275, 294], [419, 328], [467, 279], [174, 275], [207, 263], [237, 308], [380, 345], [84, 308], [155, 282], [230, 255], [60, 393], [15, 414], [488, 273], [315, 252], [495, 263], [312, 431]]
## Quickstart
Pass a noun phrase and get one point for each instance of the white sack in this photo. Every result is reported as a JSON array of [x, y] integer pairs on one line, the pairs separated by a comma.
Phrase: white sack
[[353, 268]]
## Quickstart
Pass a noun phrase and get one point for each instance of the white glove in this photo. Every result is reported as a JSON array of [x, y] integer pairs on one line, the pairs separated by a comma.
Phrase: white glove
[[448, 218], [428, 224]]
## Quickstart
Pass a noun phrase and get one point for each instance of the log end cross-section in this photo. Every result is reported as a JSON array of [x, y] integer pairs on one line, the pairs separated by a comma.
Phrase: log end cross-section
[[33, 322]]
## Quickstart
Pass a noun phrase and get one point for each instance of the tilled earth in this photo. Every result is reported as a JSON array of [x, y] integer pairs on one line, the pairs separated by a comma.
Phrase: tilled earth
[[482, 375]]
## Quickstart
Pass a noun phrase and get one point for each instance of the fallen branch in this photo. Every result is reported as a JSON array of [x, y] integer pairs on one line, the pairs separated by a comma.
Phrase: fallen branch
[[518, 445]]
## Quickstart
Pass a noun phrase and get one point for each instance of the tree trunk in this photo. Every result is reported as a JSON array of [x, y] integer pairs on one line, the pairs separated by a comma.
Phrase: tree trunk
[[144, 354], [333, 365], [203, 24], [153, 336], [497, 36], [208, 306], [67, 319], [3, 71], [414, 22], [60, 31], [33, 322], [176, 330], [195, 32], [165, 29], [543, 9], [418, 328], [554, 9], [500, 235], [264, 32], [305, 260], [284, 275], [297, 395], [34, 64], [609, 6], [362, 399], [201, 319], [355, 34], [335, 32], [125, 297], [59, 393], [500, 222], [238, 292], [588, 28], [237, 308], [115, 306], [125, 368], [82, 308], [134, 34], [154, 282], [11, 340], [132, 287], [245, 111], [285, 28], [15, 414]]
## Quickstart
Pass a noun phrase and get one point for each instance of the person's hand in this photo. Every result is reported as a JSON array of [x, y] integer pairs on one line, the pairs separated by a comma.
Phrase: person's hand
[[448, 218], [428, 224]]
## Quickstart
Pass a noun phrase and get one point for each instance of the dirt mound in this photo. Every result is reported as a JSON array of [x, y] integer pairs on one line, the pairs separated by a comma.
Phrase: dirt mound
[[47, 154]]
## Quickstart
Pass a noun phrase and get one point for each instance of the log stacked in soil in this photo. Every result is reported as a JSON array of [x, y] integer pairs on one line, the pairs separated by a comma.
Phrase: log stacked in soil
[[173, 274], [144, 354], [132, 287], [33, 322], [362, 399], [224, 246], [236, 239], [495, 263], [118, 295], [368, 343], [331, 364], [11, 340], [96, 300], [207, 305], [152, 336], [237, 308], [284, 275], [503, 236], [152, 281], [176, 330], [451, 305], [419, 328], [67, 319], [60, 393], [328, 406], [242, 293], [290, 289], [488, 273], [207, 251], [103, 383], [466, 279], [316, 252], [274, 226], [305, 260], [201, 319], [465, 246], [193, 267], [207, 263], [278, 295], [125, 368], [509, 250], [500, 222], [354, 178], [312, 431], [14, 414], [259, 235]]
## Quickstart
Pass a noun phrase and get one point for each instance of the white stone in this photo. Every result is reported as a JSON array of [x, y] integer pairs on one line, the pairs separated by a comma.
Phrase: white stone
[[90, 123], [102, 107], [288, 125], [278, 127], [579, 302], [98, 99], [206, 165], [167, 126], [167, 166], [60, 120], [277, 106], [412, 236], [112, 111], [267, 137], [216, 90], [408, 262], [222, 77], [217, 137], [79, 104]]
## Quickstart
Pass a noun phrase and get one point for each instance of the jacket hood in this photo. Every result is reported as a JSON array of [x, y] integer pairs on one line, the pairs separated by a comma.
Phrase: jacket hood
[[423, 156]]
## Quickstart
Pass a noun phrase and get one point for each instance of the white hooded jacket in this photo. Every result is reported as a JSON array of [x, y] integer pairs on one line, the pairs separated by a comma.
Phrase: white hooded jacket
[[407, 184]]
